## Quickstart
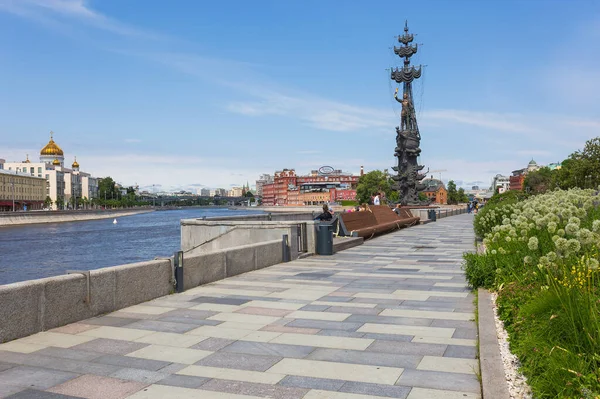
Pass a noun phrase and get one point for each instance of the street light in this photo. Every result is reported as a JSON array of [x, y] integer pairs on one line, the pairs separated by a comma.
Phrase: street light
[[13, 193]]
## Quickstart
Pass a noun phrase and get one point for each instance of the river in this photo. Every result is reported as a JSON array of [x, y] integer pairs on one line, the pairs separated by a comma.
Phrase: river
[[43, 250]]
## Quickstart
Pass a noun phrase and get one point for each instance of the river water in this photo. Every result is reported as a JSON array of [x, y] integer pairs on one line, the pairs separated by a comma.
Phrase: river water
[[43, 250]]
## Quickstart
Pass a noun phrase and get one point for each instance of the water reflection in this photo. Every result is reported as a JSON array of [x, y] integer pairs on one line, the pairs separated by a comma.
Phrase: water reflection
[[36, 251]]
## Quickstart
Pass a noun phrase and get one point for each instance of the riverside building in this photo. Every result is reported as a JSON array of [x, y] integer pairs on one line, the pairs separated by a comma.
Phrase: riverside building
[[19, 191], [64, 186]]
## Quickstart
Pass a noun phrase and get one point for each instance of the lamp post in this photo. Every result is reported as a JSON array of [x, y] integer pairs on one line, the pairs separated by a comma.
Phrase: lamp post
[[13, 193]]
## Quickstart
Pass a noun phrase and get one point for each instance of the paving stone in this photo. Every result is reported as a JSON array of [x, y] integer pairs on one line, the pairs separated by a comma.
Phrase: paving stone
[[312, 383], [269, 349], [439, 380], [242, 361], [189, 320], [6, 366], [34, 394], [73, 354], [221, 301], [144, 376], [54, 363], [353, 311], [7, 389], [255, 389], [375, 389], [188, 313], [407, 348], [402, 321], [109, 321], [314, 308], [364, 357], [132, 362], [184, 381], [465, 333], [467, 352], [213, 344], [95, 387], [331, 298], [389, 337], [35, 377], [321, 324], [109, 346], [455, 323], [341, 333], [162, 326]]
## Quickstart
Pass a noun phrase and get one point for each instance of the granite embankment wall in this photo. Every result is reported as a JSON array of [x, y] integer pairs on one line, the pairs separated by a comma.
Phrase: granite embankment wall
[[20, 218], [32, 306]]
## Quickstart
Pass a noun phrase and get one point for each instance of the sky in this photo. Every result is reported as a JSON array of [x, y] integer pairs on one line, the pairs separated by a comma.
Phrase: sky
[[187, 94]]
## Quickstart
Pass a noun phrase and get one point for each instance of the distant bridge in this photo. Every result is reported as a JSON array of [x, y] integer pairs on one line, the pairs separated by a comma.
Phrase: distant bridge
[[162, 200]]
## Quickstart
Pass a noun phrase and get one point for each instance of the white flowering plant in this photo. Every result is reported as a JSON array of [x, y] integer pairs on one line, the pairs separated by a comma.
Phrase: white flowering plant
[[542, 256]]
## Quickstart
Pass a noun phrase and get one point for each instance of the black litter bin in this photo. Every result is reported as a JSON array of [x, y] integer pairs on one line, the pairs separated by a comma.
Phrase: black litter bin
[[325, 239], [432, 215]]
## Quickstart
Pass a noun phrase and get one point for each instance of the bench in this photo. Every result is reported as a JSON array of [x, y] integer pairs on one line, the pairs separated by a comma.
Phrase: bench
[[378, 219]]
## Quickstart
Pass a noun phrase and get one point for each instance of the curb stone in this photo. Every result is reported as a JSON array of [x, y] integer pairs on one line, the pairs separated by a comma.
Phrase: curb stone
[[493, 378]]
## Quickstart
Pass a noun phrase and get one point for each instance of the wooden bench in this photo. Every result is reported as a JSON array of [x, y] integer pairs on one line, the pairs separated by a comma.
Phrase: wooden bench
[[377, 219]]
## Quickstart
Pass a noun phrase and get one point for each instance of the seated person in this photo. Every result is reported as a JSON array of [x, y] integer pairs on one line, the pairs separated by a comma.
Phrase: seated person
[[326, 215], [397, 209]]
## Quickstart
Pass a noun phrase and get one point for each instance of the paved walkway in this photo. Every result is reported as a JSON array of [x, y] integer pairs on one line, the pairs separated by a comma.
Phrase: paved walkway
[[389, 319]]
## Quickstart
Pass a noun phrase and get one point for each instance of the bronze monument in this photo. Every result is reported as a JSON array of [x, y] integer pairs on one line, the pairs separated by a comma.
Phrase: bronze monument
[[408, 139]]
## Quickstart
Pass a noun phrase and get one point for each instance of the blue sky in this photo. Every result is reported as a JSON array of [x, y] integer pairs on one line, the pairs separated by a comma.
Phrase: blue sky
[[189, 93]]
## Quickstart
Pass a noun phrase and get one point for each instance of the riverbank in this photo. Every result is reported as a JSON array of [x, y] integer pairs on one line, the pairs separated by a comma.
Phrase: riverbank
[[25, 218]]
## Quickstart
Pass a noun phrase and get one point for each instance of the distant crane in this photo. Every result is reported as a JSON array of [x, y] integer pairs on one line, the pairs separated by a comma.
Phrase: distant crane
[[439, 171]]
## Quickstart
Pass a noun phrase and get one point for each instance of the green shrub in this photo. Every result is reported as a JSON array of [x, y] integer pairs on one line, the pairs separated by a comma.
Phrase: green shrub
[[479, 270]]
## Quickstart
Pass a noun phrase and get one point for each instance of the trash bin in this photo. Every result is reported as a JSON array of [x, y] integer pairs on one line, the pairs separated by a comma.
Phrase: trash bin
[[432, 215], [325, 239]]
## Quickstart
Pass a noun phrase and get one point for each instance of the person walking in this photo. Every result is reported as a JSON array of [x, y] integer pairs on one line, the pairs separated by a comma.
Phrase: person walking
[[376, 200]]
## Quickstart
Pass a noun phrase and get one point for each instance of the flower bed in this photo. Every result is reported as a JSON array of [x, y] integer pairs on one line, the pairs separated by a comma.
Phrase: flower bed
[[541, 255]]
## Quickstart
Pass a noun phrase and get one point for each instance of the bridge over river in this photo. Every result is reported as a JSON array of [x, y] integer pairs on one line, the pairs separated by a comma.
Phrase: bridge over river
[[392, 318]]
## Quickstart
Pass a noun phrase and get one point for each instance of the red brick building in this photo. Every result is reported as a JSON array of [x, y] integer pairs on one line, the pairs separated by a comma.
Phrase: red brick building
[[517, 179]]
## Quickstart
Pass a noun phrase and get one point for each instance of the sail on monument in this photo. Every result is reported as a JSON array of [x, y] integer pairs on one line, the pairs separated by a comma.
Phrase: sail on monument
[[408, 177]]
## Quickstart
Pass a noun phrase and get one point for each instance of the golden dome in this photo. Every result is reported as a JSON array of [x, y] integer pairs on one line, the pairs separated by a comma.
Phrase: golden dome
[[75, 164], [52, 148], [56, 162]]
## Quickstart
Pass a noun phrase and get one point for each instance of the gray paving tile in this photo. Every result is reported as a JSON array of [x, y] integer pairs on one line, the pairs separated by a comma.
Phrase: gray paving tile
[[34, 394], [189, 320], [454, 323], [162, 326], [35, 377], [403, 321], [364, 357], [311, 383], [407, 348], [465, 333], [213, 344], [145, 376], [341, 333], [354, 311], [269, 349], [467, 352], [73, 354], [242, 361], [314, 308], [6, 366], [109, 321], [109, 346], [7, 389], [335, 299], [221, 301], [49, 362], [385, 391], [183, 381], [255, 389], [132, 362], [439, 380], [326, 325], [187, 313], [389, 337]]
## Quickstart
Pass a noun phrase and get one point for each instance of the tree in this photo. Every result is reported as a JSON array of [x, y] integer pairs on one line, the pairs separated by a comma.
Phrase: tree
[[248, 194], [373, 182], [106, 188], [581, 169], [47, 202], [452, 193], [538, 181], [60, 203], [462, 197]]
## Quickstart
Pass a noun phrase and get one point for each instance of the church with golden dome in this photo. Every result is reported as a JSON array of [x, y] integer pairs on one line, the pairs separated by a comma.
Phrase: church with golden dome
[[66, 187]]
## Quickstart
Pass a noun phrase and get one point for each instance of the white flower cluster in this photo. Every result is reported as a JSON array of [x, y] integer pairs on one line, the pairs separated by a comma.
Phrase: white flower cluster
[[549, 222]]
